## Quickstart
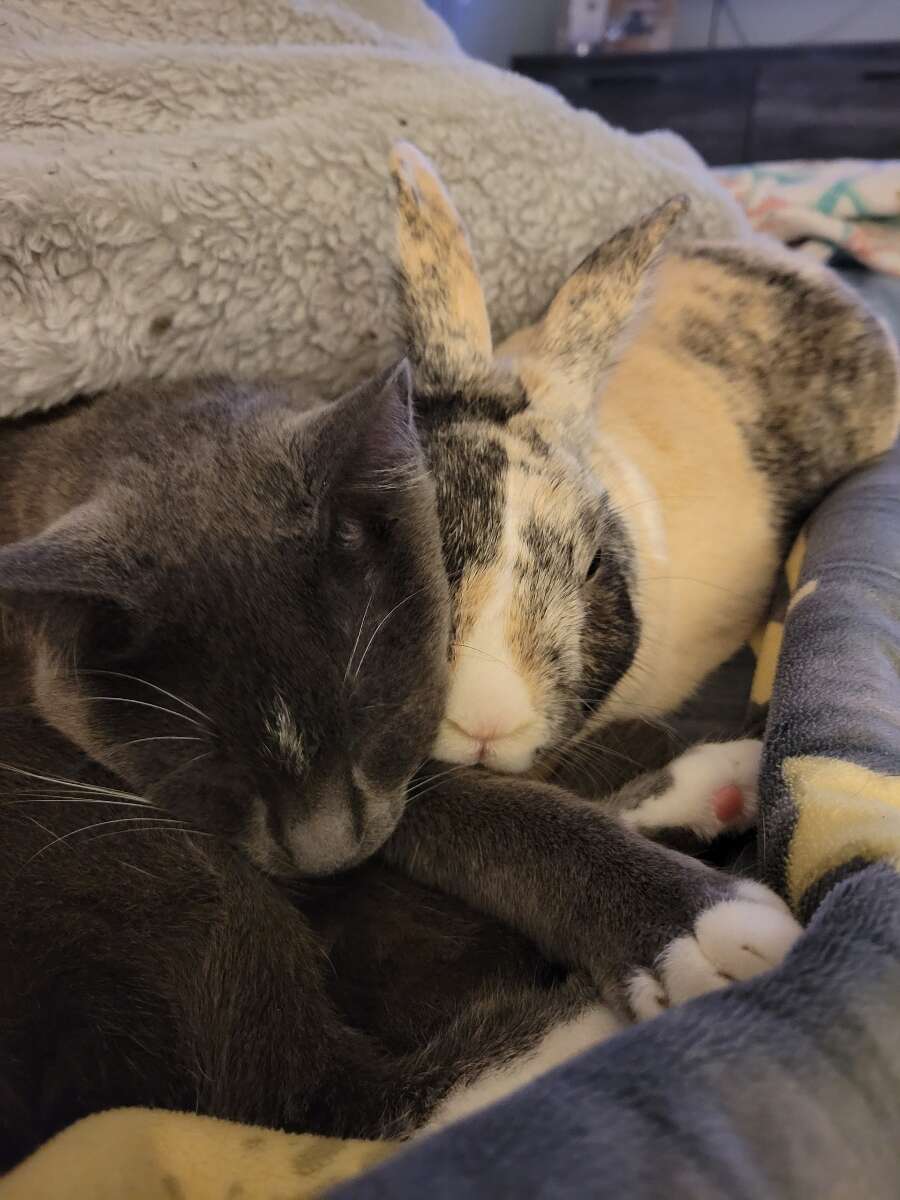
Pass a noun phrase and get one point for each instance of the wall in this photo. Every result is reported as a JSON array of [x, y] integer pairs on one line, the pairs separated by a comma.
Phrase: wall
[[497, 29], [775, 22]]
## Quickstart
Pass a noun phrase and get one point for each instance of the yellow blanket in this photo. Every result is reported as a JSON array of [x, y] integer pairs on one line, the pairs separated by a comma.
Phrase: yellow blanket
[[144, 1154]]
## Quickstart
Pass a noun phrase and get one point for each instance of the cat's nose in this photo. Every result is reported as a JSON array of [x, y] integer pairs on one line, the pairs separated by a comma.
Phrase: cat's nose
[[343, 820], [323, 842]]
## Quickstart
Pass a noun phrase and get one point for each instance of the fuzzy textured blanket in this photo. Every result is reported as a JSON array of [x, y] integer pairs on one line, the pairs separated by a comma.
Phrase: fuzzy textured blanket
[[202, 185], [849, 205]]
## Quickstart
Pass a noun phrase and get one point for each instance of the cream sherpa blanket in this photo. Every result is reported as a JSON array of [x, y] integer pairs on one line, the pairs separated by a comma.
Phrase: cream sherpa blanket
[[202, 185]]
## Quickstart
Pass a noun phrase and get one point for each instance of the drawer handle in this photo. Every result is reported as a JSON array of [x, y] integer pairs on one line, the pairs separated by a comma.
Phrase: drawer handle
[[596, 81], [891, 74]]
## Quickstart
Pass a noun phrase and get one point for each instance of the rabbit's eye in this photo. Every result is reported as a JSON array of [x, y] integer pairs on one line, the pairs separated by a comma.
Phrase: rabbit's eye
[[596, 563]]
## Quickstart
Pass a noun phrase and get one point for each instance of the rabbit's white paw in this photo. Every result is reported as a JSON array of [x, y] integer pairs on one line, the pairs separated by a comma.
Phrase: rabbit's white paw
[[749, 932], [713, 788]]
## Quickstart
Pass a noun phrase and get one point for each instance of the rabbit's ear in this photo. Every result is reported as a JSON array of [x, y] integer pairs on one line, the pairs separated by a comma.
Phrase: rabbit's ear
[[448, 335], [591, 316]]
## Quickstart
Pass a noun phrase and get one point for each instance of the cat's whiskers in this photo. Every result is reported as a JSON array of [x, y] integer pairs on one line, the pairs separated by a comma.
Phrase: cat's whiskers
[[155, 686], [180, 767], [75, 785], [146, 704], [384, 620], [39, 824], [61, 798], [358, 635], [62, 838], [98, 837], [166, 737]]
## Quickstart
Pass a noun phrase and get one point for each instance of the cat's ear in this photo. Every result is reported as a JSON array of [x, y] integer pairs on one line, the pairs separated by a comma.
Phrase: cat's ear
[[72, 584], [387, 451], [591, 317], [442, 305], [365, 443]]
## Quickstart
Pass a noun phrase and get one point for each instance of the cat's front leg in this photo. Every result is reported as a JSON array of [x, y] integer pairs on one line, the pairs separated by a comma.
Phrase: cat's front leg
[[709, 790], [652, 926]]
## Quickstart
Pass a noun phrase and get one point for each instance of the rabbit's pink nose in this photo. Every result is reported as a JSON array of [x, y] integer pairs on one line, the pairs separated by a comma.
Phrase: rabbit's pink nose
[[486, 732]]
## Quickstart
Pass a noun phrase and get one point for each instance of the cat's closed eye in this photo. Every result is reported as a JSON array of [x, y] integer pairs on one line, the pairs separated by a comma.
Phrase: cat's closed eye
[[357, 533], [349, 534]]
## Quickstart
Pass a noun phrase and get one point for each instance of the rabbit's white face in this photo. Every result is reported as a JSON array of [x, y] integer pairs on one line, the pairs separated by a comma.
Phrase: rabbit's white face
[[548, 567], [539, 563]]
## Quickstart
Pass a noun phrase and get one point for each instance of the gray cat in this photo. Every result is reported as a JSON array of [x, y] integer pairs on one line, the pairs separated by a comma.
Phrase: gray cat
[[225, 660], [172, 715]]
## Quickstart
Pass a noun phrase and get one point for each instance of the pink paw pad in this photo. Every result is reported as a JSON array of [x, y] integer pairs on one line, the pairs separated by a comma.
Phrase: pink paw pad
[[728, 804]]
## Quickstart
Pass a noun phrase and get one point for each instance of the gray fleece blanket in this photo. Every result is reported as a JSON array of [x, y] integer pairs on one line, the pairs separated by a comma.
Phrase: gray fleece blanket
[[202, 185]]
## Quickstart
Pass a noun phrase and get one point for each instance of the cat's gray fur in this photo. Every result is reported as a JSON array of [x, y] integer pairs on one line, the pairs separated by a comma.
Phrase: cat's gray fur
[[167, 533]]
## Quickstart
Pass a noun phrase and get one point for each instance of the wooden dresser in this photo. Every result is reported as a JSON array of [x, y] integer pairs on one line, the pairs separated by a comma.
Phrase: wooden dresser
[[748, 105]]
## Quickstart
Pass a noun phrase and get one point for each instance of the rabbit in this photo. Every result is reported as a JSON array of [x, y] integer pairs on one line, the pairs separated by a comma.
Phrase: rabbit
[[618, 482]]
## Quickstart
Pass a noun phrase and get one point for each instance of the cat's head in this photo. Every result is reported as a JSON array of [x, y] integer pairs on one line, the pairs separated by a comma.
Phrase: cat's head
[[540, 559], [249, 623]]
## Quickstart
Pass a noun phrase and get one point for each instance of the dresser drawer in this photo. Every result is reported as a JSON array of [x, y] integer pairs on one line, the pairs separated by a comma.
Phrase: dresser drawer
[[747, 105], [706, 104], [827, 107]]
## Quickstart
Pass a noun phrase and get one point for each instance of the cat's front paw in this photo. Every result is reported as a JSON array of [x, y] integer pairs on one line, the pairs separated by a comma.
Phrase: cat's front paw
[[738, 937], [711, 789]]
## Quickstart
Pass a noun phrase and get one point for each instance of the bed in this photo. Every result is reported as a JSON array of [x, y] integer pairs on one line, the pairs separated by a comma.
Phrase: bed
[[788, 1086]]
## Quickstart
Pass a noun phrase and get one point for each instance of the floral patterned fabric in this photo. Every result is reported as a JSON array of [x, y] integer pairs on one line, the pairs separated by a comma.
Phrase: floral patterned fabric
[[847, 204]]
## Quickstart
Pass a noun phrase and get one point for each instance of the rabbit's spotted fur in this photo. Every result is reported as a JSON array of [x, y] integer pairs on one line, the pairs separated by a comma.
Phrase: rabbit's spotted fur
[[618, 482]]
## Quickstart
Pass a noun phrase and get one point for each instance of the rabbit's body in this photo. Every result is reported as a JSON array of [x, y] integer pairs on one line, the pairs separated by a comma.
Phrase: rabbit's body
[[618, 482], [755, 382]]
